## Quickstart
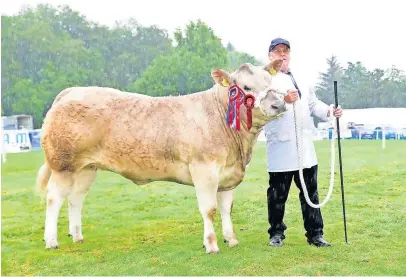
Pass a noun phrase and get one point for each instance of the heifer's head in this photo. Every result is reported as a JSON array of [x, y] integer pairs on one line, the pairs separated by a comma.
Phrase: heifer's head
[[257, 81]]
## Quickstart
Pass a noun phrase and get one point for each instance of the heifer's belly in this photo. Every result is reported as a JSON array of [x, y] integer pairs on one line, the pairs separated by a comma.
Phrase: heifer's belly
[[142, 169], [231, 177], [174, 172]]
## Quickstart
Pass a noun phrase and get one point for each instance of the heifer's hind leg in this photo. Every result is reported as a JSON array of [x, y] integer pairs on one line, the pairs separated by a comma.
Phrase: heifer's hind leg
[[225, 204], [59, 187], [83, 181], [205, 179]]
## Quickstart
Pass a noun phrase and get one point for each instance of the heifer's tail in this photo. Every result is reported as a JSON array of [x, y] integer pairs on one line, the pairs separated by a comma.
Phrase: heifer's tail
[[43, 176]]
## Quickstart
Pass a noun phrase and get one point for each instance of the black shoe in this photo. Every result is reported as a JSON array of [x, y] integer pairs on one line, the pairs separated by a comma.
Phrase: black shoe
[[318, 242], [276, 240]]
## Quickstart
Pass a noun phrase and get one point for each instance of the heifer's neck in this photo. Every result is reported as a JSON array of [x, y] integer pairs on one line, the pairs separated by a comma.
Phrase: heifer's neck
[[244, 138]]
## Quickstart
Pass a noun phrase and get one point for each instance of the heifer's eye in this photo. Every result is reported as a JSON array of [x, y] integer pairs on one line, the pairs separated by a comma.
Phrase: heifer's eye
[[246, 88]]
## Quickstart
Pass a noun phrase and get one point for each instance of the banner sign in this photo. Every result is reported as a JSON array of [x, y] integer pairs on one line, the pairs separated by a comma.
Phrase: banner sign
[[15, 141]]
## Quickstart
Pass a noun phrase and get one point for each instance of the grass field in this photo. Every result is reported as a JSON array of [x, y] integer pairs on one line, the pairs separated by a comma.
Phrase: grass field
[[157, 229]]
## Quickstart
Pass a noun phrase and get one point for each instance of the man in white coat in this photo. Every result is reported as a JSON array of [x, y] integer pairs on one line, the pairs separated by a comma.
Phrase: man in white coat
[[282, 159]]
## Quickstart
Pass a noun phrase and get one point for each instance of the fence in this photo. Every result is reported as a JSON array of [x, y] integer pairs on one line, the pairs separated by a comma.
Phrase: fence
[[359, 134], [367, 133]]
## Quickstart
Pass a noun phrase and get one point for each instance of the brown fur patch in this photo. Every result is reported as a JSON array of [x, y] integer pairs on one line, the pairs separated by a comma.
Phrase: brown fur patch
[[50, 202], [211, 213], [212, 238]]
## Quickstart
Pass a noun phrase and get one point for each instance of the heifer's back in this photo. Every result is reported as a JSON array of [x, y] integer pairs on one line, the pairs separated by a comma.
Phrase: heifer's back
[[133, 134]]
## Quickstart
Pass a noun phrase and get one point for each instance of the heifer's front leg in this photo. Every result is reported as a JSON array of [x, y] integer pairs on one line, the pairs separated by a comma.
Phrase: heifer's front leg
[[225, 204], [205, 179]]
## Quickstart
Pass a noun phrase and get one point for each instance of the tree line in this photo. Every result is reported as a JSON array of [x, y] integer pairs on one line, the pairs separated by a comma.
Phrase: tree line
[[46, 49], [362, 88]]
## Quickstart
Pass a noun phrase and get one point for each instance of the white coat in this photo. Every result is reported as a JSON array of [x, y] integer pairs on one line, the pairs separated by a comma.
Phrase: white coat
[[280, 133]]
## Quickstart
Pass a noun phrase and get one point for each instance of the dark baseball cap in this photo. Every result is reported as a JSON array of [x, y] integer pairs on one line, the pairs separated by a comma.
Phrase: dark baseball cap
[[277, 41]]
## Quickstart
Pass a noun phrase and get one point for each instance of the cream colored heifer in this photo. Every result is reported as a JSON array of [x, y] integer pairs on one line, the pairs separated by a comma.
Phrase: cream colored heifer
[[182, 139]]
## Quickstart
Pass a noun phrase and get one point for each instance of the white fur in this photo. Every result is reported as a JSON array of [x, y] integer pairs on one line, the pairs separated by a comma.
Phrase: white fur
[[206, 180], [75, 218], [60, 187], [55, 199], [224, 202], [84, 180]]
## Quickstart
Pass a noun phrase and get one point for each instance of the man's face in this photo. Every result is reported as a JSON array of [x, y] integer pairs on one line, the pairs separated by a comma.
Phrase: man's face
[[281, 51]]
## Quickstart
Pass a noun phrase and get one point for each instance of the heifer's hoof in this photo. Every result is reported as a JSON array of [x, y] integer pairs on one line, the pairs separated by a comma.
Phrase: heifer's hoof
[[78, 238], [210, 243], [212, 249], [232, 242], [52, 244]]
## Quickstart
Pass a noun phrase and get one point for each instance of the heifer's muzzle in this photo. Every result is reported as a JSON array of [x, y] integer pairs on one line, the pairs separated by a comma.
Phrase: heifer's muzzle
[[264, 93]]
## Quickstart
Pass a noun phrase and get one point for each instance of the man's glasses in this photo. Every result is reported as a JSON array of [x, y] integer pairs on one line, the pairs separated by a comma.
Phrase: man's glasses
[[281, 50]]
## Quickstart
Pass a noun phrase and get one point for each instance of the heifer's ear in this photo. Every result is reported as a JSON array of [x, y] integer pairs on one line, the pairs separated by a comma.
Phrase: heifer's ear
[[221, 77], [274, 66]]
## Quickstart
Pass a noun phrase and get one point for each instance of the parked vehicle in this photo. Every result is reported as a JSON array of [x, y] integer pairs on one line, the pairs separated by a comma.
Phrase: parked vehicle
[[402, 133], [390, 133], [366, 133]]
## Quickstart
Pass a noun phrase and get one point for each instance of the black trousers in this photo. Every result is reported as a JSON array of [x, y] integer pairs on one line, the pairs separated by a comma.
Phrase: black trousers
[[277, 194]]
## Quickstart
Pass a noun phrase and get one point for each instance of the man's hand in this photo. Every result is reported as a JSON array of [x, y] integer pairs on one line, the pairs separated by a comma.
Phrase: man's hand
[[292, 96], [337, 112]]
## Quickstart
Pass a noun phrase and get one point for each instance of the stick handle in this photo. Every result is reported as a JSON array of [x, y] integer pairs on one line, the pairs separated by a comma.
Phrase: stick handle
[[335, 94]]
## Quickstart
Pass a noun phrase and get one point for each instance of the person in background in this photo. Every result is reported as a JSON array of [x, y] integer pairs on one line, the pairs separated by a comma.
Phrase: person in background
[[282, 159]]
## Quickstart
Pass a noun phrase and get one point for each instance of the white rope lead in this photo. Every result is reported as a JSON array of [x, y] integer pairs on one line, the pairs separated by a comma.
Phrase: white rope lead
[[300, 159]]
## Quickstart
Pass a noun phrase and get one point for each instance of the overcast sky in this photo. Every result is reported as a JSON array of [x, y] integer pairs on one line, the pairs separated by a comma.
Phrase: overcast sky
[[368, 31]]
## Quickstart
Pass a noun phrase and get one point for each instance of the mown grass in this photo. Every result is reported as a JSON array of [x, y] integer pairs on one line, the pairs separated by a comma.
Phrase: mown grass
[[156, 229]]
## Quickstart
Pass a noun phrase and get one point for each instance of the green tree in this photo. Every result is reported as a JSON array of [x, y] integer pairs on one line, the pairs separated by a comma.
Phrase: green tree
[[325, 87], [230, 47], [46, 49], [237, 58], [392, 92], [357, 87], [362, 88], [187, 69]]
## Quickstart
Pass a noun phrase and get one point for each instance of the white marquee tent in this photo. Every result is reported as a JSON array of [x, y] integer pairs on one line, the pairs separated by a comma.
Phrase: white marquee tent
[[373, 117]]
